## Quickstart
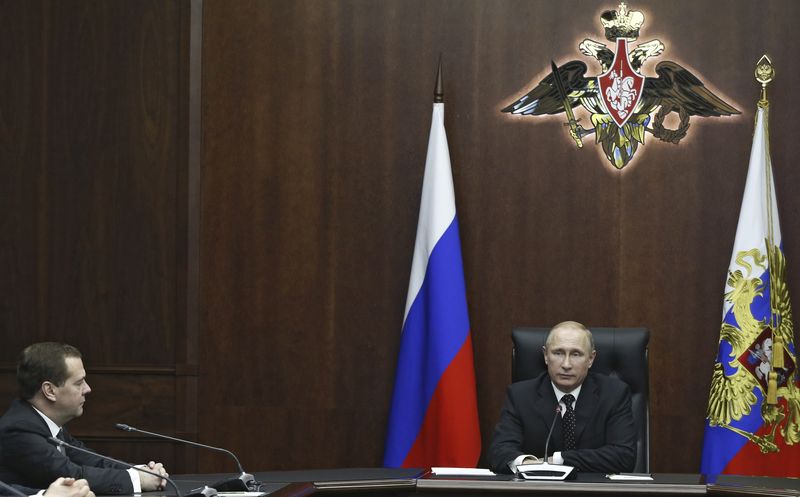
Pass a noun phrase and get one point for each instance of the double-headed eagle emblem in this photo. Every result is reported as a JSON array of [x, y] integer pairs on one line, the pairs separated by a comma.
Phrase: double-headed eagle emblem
[[621, 100], [757, 354]]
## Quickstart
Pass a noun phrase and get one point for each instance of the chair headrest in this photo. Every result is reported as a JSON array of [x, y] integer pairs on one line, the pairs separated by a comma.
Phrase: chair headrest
[[621, 352]]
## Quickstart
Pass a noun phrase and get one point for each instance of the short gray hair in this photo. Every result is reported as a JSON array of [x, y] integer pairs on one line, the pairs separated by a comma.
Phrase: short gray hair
[[574, 325]]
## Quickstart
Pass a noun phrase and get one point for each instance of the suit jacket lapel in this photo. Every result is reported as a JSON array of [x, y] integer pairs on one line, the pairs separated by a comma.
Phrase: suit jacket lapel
[[26, 410], [587, 405], [546, 409]]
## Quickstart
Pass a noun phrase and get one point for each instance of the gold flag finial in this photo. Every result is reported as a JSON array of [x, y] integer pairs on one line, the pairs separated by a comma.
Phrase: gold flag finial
[[765, 73]]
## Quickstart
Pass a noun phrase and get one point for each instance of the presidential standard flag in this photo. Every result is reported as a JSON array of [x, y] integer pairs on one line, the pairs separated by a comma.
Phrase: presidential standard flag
[[434, 415], [754, 404]]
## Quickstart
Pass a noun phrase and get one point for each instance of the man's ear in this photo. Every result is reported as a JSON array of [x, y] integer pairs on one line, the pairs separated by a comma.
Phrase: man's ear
[[544, 353], [591, 357], [48, 390]]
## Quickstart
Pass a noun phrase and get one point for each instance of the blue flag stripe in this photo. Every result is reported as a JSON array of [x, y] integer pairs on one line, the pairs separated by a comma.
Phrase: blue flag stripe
[[434, 331]]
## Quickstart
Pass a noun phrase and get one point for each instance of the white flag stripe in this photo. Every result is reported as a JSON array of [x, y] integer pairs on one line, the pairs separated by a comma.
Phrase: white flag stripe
[[438, 204], [754, 216]]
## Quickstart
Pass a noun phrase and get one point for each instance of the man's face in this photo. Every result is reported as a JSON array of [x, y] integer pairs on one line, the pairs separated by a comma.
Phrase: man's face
[[70, 396], [568, 358]]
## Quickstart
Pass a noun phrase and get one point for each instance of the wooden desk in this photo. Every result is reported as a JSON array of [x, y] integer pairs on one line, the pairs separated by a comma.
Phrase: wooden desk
[[430, 486], [385, 482]]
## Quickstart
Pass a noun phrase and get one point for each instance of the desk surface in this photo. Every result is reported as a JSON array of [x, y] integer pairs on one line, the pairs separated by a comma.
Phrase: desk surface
[[384, 482]]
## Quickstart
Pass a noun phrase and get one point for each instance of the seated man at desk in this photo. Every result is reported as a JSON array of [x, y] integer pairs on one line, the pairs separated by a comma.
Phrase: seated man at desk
[[53, 388], [595, 430]]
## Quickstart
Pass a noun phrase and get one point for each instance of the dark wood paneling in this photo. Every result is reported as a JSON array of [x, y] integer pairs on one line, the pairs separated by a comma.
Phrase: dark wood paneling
[[265, 269], [188, 229], [316, 117], [20, 157], [140, 397], [92, 256], [93, 207]]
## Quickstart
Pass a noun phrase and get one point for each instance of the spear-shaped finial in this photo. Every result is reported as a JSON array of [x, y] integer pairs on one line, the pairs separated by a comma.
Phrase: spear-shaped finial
[[765, 73], [438, 92]]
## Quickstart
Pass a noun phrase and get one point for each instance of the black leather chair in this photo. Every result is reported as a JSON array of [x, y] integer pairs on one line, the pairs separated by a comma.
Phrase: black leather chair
[[621, 352]]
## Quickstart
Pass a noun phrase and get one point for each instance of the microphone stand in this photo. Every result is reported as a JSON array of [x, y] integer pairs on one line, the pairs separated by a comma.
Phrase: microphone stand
[[244, 482], [544, 470], [204, 492], [11, 490], [550, 433]]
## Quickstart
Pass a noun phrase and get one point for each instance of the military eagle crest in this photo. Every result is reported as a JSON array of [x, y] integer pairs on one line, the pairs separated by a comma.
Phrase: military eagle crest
[[621, 100]]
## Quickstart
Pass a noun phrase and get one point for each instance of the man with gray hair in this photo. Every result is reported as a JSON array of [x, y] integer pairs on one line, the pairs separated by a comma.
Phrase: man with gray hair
[[596, 431]]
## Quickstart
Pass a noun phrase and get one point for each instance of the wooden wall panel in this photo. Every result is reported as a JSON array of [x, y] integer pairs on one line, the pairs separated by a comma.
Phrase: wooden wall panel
[[681, 206], [93, 134], [95, 210], [264, 269], [310, 201], [315, 118]]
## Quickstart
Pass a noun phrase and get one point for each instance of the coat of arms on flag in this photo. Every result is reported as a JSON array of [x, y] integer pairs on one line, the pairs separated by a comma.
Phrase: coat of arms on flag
[[753, 416], [621, 99]]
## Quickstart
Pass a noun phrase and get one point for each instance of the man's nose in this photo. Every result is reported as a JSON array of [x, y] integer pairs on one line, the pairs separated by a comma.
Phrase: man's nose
[[567, 363], [87, 389]]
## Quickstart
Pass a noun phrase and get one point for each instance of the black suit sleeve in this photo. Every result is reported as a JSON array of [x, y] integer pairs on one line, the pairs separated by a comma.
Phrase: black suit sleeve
[[507, 440], [616, 452], [38, 463], [23, 489]]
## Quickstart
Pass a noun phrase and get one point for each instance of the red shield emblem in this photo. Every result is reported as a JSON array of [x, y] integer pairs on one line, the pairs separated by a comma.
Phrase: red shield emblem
[[758, 360], [620, 86]]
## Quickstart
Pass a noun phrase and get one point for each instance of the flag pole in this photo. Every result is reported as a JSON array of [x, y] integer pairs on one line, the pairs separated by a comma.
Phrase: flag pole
[[438, 91], [764, 74]]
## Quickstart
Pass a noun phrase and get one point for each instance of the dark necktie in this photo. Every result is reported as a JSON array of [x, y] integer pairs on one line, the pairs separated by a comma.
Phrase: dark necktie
[[568, 422], [60, 436]]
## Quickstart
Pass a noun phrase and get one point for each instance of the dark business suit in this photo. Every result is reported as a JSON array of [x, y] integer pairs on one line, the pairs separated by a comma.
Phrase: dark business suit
[[16, 490], [27, 458], [605, 432]]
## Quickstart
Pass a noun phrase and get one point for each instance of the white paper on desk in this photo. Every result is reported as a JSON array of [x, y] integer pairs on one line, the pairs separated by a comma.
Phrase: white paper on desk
[[241, 494], [630, 477], [461, 472]]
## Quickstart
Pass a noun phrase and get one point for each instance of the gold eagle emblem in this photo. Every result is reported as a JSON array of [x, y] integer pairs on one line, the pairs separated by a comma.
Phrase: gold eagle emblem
[[752, 363]]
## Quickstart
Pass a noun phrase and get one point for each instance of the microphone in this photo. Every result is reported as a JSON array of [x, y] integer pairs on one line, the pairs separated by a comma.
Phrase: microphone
[[544, 470], [9, 490], [550, 433], [243, 483], [204, 492]]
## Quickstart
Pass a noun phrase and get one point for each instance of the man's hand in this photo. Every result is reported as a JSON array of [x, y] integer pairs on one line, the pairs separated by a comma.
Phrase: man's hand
[[151, 482], [69, 487]]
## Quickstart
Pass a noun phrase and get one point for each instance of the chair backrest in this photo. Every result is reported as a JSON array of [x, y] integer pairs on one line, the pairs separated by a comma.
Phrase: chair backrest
[[621, 352]]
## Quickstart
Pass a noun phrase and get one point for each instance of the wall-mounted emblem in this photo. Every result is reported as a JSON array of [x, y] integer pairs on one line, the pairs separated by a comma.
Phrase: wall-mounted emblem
[[621, 100]]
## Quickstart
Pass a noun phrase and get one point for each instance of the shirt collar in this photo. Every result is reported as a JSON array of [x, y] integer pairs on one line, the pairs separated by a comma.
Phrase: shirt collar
[[560, 394], [54, 428]]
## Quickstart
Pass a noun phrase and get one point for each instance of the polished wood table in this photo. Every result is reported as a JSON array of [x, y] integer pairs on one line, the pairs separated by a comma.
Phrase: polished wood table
[[386, 482]]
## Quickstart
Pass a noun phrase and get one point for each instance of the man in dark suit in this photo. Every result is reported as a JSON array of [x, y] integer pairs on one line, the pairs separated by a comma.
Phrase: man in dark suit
[[595, 431], [53, 388]]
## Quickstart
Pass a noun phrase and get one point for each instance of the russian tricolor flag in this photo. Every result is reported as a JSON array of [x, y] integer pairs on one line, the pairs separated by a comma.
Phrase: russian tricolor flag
[[745, 432], [434, 415]]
